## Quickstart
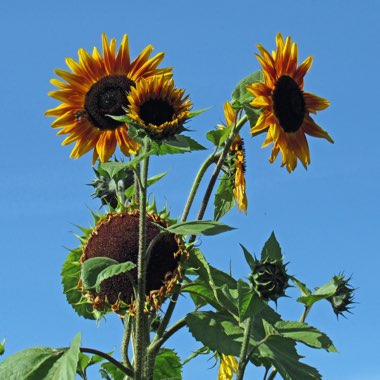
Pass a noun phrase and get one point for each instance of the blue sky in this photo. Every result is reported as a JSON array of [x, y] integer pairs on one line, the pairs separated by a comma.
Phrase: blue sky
[[326, 218]]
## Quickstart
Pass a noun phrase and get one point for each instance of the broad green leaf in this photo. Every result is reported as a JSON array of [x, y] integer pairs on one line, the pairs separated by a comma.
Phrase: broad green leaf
[[177, 144], [324, 292], [71, 272], [246, 297], [269, 329], [114, 372], [201, 293], [218, 136], [302, 332], [224, 199], [271, 251], [167, 366], [2, 347], [282, 354], [91, 268], [113, 270], [217, 331], [241, 96], [30, 364], [248, 257], [66, 366], [199, 227]]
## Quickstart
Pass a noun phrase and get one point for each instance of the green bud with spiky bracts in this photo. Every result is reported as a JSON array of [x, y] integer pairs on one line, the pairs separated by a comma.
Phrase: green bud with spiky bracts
[[107, 187], [343, 297], [269, 279]]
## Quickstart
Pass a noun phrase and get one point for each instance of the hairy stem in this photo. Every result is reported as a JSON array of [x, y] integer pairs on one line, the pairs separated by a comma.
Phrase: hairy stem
[[112, 360], [243, 360], [125, 341], [140, 340]]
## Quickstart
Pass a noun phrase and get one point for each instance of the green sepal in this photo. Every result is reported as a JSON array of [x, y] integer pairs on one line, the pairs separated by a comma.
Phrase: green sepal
[[2, 347], [197, 113], [167, 365], [271, 251], [200, 351], [199, 227], [113, 270], [91, 269], [224, 199], [71, 273]]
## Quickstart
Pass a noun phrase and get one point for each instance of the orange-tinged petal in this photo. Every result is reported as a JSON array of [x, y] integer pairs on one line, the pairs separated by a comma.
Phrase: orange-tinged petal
[[302, 69], [229, 113], [311, 128], [314, 103], [262, 101], [106, 145], [262, 122]]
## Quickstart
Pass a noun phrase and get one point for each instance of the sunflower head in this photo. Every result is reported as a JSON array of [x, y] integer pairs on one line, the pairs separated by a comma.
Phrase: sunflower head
[[159, 108], [116, 236], [106, 187], [286, 107], [269, 279], [95, 88], [343, 298]]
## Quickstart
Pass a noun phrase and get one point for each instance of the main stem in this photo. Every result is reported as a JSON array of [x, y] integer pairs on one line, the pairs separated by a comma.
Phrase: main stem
[[244, 349], [140, 340]]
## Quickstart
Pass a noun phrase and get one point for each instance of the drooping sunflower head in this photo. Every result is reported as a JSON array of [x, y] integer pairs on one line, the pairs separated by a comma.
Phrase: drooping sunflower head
[[97, 87], [235, 161], [286, 106], [116, 236], [158, 107]]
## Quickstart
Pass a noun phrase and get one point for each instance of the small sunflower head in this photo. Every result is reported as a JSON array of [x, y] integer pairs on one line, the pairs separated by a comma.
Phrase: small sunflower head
[[269, 279], [106, 186], [116, 236], [343, 298], [159, 108]]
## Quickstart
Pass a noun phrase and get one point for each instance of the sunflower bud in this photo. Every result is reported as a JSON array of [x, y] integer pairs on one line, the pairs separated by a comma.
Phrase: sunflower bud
[[269, 279], [107, 187], [343, 297]]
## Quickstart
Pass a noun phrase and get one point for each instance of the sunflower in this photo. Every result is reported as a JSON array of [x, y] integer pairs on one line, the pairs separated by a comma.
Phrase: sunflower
[[228, 366], [115, 235], [158, 107], [97, 87], [286, 107], [236, 161]]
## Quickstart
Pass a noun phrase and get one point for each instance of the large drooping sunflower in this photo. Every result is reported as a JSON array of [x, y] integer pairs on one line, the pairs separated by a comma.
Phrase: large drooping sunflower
[[286, 106], [158, 107], [236, 161], [97, 87]]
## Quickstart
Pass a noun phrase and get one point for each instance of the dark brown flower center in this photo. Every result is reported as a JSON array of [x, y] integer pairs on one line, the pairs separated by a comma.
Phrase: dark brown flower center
[[107, 96], [288, 104], [118, 239], [156, 112]]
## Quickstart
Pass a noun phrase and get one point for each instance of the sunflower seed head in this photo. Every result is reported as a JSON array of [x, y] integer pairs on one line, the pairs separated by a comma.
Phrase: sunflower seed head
[[343, 298]]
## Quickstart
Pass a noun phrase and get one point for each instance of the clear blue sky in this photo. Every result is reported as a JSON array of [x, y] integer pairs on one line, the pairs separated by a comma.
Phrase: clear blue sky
[[326, 218]]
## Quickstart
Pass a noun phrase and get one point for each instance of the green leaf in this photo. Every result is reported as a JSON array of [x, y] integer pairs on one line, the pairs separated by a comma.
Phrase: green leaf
[[71, 272], [176, 144], [271, 251], [113, 270], [224, 199], [282, 354], [324, 292], [246, 297], [113, 371], [241, 96], [218, 136], [91, 268], [65, 367], [199, 227], [217, 331], [156, 178], [252, 114], [302, 332], [248, 257], [30, 364], [2, 347], [305, 291], [201, 293], [167, 366]]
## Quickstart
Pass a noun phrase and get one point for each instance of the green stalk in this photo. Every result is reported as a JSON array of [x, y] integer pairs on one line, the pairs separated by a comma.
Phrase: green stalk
[[126, 339], [244, 349], [140, 339]]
